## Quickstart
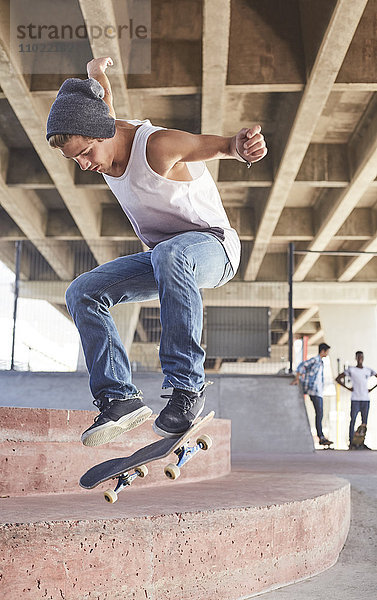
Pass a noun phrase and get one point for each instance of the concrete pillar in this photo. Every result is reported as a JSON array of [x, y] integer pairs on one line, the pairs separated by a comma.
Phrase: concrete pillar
[[126, 317], [349, 328]]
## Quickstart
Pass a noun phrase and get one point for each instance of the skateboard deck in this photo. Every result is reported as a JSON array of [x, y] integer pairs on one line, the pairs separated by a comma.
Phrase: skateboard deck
[[359, 436], [120, 467]]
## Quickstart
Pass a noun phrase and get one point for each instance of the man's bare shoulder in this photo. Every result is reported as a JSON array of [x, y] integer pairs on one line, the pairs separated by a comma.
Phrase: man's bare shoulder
[[164, 138], [163, 148]]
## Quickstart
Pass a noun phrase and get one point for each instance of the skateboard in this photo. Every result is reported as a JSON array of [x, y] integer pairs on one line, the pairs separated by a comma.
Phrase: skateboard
[[359, 437], [119, 468]]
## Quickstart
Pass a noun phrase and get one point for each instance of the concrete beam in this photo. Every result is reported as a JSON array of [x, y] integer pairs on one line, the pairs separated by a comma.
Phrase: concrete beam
[[268, 57], [115, 225], [140, 330], [234, 172], [9, 230], [316, 338], [8, 255], [299, 224], [304, 317], [361, 224], [332, 215], [142, 92], [126, 317], [61, 226], [308, 329], [325, 165], [190, 90], [356, 264], [216, 23], [274, 313], [329, 59], [305, 294], [32, 116], [27, 211], [26, 170], [145, 354], [243, 221], [360, 65], [295, 223], [273, 294]]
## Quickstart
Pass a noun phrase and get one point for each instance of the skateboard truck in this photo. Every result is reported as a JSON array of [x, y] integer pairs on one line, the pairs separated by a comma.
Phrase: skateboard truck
[[124, 481], [186, 453]]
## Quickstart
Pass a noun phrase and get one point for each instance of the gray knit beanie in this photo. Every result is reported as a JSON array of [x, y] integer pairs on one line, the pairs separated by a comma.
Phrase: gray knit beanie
[[79, 109]]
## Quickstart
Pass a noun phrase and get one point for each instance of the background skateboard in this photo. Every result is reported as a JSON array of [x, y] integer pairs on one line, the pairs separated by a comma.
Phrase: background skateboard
[[359, 436]]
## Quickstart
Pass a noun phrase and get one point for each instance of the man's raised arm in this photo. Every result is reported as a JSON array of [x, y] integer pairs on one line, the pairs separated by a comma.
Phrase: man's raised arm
[[96, 70], [341, 379], [169, 147]]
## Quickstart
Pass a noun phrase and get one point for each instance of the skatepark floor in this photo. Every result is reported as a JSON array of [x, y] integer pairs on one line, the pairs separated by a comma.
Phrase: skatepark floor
[[355, 574]]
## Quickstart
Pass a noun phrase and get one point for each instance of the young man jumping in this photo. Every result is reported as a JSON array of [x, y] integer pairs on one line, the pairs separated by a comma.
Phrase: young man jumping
[[160, 179]]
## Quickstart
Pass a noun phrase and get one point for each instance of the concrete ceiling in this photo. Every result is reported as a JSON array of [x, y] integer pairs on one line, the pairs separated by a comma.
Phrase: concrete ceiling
[[306, 70]]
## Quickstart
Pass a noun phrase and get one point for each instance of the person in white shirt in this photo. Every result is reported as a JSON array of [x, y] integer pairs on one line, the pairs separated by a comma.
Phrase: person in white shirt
[[359, 376]]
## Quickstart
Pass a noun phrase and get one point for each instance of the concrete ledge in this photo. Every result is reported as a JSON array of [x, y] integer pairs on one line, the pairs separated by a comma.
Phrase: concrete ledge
[[228, 539], [248, 401], [40, 452]]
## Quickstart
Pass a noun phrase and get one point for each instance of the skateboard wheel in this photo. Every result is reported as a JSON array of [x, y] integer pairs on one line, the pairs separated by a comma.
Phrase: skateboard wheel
[[110, 496], [172, 471], [205, 442], [142, 471]]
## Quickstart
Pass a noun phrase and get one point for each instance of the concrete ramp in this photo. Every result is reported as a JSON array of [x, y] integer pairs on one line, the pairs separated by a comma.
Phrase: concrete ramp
[[233, 533], [267, 413], [226, 539], [41, 452]]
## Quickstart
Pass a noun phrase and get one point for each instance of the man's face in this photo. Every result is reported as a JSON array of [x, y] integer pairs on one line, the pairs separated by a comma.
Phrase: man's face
[[90, 155], [360, 358]]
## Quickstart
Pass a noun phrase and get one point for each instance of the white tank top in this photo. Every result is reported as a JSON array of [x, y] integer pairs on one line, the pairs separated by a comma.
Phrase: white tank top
[[160, 208]]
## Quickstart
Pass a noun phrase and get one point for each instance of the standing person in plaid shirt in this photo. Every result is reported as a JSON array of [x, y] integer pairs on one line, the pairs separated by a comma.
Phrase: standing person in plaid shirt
[[310, 375]]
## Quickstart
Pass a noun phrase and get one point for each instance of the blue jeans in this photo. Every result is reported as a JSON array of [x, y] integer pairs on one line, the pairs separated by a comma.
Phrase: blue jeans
[[357, 406], [174, 271], [318, 407]]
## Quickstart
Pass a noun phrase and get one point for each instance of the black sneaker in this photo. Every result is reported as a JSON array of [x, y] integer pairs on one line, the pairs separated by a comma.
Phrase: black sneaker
[[116, 417], [179, 413], [325, 442]]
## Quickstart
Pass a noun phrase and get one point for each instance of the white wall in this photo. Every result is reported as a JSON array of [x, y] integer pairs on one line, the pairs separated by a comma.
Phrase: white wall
[[349, 328]]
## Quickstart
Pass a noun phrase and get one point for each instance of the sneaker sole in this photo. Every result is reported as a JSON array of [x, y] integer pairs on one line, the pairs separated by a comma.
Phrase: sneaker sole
[[108, 432], [168, 434]]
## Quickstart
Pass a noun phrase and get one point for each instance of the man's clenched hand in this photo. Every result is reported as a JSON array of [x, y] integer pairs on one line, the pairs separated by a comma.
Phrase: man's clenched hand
[[249, 144]]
